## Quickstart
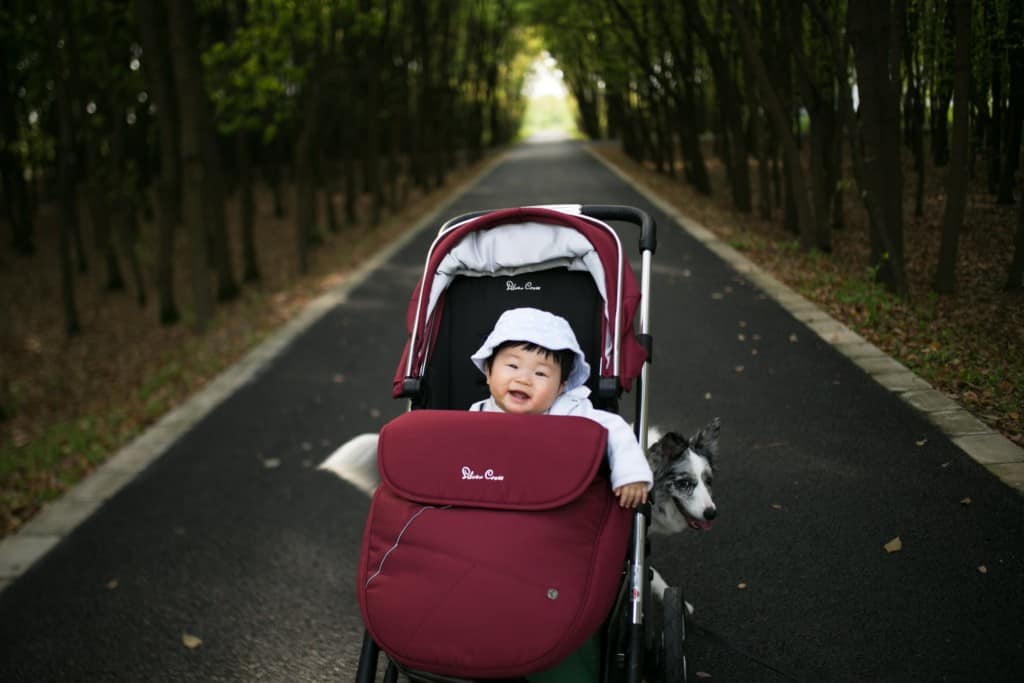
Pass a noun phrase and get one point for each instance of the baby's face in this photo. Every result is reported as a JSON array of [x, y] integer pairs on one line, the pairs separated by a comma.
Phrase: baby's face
[[524, 381]]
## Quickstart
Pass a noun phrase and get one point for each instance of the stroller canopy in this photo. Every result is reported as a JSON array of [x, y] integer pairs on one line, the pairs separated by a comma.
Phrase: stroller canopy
[[515, 241]]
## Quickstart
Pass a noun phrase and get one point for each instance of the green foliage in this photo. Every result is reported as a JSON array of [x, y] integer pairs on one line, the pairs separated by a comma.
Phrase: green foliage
[[868, 294], [254, 77], [548, 113]]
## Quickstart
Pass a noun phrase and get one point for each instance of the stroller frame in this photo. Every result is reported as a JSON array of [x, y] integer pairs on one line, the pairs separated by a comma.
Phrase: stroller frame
[[625, 636]]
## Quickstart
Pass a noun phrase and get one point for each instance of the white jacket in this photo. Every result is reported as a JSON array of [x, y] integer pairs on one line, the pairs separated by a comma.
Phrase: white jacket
[[625, 457]]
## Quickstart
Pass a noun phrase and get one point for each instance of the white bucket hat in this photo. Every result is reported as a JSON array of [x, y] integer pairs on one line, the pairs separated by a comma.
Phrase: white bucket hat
[[537, 327]]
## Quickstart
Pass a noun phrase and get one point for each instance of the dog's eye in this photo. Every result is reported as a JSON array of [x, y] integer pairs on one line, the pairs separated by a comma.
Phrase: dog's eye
[[686, 482]]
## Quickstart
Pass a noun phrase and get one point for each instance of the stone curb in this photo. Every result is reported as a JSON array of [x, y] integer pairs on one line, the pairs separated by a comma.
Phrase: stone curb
[[995, 452], [60, 517]]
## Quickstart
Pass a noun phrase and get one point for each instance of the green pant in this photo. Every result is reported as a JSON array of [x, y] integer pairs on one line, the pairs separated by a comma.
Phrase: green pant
[[582, 666]]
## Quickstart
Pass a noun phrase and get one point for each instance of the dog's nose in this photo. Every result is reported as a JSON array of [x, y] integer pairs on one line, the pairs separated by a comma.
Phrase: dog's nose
[[709, 513]]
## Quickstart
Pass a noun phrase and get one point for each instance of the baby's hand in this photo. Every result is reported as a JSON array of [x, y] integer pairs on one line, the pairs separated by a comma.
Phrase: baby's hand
[[631, 495]]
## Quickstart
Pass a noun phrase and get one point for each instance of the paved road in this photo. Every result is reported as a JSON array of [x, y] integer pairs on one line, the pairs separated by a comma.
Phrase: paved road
[[234, 537]]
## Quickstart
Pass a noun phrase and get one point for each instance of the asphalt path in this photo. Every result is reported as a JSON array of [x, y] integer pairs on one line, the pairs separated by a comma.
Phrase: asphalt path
[[234, 537]]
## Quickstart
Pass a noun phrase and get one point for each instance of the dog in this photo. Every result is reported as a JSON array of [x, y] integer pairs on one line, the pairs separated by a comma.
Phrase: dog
[[680, 498]]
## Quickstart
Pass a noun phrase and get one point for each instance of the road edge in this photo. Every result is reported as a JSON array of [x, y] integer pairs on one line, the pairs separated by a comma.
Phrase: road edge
[[981, 443]]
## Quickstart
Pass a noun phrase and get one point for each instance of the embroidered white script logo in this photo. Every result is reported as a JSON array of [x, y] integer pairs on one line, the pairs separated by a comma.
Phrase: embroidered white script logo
[[468, 473], [511, 286]]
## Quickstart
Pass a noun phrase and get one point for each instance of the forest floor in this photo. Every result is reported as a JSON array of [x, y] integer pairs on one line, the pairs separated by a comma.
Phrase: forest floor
[[968, 345], [68, 404]]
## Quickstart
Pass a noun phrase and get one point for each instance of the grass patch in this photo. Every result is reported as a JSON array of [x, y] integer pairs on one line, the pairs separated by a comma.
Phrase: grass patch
[[39, 471]]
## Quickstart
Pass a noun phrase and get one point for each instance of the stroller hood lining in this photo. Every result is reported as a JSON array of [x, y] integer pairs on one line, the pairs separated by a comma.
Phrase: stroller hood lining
[[515, 249]]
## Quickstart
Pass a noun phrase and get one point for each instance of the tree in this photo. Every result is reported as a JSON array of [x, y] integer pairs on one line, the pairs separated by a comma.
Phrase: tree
[[195, 171], [875, 41], [956, 176], [58, 24], [157, 63], [782, 128], [729, 102], [1015, 114], [12, 114], [1015, 274]]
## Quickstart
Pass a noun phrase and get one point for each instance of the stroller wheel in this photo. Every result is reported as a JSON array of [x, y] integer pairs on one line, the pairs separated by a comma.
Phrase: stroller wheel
[[391, 673], [674, 636]]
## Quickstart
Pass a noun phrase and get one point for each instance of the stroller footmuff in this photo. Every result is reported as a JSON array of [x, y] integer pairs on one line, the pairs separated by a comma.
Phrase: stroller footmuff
[[494, 545]]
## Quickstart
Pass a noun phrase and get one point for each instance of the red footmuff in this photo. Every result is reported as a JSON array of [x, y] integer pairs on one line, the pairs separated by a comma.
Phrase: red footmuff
[[493, 547]]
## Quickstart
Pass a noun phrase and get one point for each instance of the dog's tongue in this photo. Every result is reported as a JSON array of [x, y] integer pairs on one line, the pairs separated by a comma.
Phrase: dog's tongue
[[700, 524]]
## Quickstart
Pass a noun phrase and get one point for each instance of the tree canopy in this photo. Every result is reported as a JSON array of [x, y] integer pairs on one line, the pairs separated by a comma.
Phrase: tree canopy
[[114, 110]]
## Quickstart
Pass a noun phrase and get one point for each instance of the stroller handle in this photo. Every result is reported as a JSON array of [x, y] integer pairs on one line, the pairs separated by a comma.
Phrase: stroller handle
[[602, 212], [628, 214]]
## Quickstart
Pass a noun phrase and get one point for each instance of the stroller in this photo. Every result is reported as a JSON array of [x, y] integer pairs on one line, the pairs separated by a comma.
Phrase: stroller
[[476, 563]]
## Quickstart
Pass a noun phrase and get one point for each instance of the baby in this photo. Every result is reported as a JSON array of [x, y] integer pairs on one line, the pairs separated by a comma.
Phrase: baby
[[534, 365]]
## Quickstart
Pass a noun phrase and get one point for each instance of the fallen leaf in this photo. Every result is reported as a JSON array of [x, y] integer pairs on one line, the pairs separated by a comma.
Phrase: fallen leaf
[[374, 412], [776, 506], [793, 338], [272, 463], [112, 584], [717, 295], [743, 323], [707, 396], [190, 641], [742, 586], [741, 337], [338, 379], [703, 674], [21, 437], [966, 501], [753, 352], [894, 546], [739, 368], [921, 442], [982, 569]]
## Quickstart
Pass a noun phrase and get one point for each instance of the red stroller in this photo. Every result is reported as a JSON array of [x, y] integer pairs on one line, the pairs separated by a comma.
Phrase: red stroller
[[477, 563]]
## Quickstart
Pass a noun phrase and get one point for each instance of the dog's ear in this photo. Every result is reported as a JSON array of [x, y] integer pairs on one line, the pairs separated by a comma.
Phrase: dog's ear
[[707, 438], [668, 448]]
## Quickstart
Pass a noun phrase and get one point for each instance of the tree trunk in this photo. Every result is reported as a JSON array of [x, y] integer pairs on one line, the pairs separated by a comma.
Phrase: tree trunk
[[913, 113], [780, 119], [942, 85], [306, 149], [686, 128], [15, 193], [65, 167], [1015, 274], [251, 266], [764, 186], [273, 172], [817, 89], [1015, 115], [729, 101], [956, 175], [214, 203], [994, 136], [189, 87], [880, 178]]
